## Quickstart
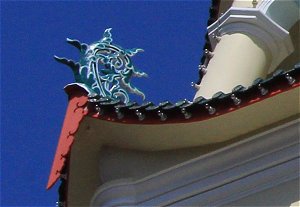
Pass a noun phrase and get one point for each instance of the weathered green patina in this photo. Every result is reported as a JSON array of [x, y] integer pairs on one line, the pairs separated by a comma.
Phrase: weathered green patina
[[105, 68]]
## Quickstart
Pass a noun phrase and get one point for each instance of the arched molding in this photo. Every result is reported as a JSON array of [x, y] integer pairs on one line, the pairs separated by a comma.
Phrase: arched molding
[[253, 22]]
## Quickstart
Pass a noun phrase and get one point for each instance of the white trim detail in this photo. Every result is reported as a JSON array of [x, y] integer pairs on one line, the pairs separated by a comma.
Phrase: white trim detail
[[253, 22], [216, 179]]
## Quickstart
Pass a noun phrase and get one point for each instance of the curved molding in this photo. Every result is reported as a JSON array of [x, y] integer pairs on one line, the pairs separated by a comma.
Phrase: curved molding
[[75, 112], [253, 22], [226, 175]]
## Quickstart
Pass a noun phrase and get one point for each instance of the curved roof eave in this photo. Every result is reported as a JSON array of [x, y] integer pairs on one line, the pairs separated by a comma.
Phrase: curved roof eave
[[260, 105]]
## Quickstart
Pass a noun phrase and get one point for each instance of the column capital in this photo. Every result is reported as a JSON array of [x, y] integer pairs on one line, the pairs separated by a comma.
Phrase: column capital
[[255, 23]]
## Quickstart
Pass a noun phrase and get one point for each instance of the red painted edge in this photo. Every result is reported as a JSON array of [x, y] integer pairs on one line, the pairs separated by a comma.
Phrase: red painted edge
[[75, 112]]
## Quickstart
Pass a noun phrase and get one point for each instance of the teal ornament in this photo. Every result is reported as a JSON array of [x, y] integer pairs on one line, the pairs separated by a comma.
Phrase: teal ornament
[[104, 68]]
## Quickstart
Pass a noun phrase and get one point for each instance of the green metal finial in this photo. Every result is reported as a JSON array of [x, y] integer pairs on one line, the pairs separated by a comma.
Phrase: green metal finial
[[105, 68]]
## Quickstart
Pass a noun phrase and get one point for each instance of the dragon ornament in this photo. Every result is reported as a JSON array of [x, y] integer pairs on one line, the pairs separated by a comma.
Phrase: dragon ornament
[[104, 68]]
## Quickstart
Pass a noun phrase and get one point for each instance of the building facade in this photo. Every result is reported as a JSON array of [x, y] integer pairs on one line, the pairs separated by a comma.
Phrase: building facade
[[235, 144]]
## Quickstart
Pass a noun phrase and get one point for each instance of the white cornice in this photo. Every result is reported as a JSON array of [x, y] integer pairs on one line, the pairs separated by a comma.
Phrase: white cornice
[[244, 168], [254, 22]]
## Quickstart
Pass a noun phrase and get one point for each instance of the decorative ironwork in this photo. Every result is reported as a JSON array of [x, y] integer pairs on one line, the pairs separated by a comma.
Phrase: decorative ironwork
[[60, 204], [140, 115], [186, 114], [235, 99], [290, 79], [208, 53], [263, 90], [105, 68], [120, 115], [210, 109], [163, 116]]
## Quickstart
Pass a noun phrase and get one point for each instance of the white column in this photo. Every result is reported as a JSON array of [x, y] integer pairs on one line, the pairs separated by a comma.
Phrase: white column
[[244, 61], [250, 45]]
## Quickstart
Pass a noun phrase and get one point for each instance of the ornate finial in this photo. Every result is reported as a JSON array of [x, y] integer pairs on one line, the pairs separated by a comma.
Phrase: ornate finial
[[216, 37], [235, 99], [163, 116], [290, 79], [254, 3], [196, 86], [120, 115], [203, 69], [186, 114], [60, 204], [210, 109], [263, 91], [105, 68], [140, 115], [208, 53]]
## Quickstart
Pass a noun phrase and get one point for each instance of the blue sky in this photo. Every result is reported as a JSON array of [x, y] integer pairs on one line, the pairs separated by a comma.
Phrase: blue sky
[[33, 102]]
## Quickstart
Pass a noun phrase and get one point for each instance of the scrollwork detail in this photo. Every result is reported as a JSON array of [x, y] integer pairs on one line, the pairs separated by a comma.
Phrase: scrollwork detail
[[105, 68]]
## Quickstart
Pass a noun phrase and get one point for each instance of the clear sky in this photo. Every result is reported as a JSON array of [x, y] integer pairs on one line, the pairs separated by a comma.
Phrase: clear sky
[[33, 102]]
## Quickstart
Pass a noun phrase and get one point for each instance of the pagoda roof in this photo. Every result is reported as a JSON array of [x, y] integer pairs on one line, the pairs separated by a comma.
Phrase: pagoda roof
[[179, 125]]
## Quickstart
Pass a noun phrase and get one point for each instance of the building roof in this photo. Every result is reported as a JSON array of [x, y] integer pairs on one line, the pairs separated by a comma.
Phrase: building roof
[[196, 114], [201, 114], [197, 110]]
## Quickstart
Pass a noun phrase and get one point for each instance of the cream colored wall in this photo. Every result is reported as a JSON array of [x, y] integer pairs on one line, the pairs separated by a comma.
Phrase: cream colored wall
[[283, 195]]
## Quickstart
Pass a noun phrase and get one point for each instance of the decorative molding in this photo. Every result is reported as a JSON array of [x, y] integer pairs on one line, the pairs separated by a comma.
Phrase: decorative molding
[[253, 22], [226, 175], [75, 112]]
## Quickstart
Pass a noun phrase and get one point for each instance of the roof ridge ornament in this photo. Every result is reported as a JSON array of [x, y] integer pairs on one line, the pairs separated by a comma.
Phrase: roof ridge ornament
[[105, 68]]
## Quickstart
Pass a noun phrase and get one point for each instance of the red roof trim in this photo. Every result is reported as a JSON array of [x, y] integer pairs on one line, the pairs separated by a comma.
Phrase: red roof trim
[[75, 112]]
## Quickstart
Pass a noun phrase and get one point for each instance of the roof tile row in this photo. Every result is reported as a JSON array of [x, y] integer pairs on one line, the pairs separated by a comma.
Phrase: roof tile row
[[184, 109]]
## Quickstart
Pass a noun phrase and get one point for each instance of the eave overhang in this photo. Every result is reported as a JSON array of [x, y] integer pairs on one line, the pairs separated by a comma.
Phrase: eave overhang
[[257, 163], [263, 104]]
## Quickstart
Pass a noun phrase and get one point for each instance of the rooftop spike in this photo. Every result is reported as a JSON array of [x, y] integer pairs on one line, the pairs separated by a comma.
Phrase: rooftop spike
[[73, 65], [75, 43], [107, 36]]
